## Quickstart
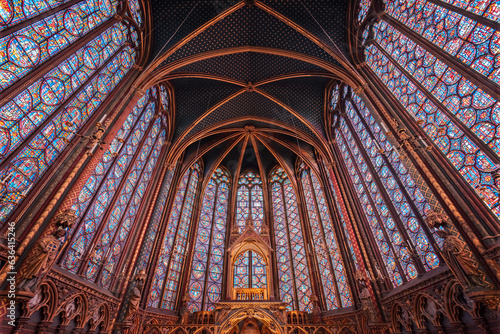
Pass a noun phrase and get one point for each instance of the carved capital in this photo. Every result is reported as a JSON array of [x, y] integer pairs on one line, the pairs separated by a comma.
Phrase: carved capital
[[360, 89], [65, 219], [361, 65], [436, 219]]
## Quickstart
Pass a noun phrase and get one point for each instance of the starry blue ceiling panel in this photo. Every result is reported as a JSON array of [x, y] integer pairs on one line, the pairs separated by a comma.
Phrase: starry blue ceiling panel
[[324, 19], [249, 104], [212, 155], [231, 160], [173, 20], [249, 159], [194, 96], [305, 95], [286, 154], [254, 27], [250, 66], [256, 124], [267, 158]]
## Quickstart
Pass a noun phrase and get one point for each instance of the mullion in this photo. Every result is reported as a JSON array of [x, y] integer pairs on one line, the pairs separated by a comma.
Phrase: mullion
[[327, 248]]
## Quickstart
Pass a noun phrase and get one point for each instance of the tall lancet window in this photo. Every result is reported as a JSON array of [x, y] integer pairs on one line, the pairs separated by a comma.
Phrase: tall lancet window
[[109, 202], [293, 270], [55, 72], [250, 271], [393, 204], [249, 199], [442, 66], [331, 267], [208, 260], [175, 244]]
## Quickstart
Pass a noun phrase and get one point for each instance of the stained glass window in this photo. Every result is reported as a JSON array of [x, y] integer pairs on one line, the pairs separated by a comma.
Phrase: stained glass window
[[154, 225], [135, 8], [364, 6], [293, 270], [249, 199], [207, 267], [250, 270], [335, 98], [473, 43], [13, 12], [333, 277], [47, 107], [487, 8], [457, 115], [394, 206], [109, 201], [113, 238], [166, 279], [33, 45], [164, 97]]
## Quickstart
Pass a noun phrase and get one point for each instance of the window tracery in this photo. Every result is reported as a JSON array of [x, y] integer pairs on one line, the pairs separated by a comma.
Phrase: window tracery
[[208, 259], [250, 271], [473, 43], [31, 46], [249, 199], [394, 206], [456, 112], [175, 244], [293, 269], [364, 6], [58, 97], [332, 272], [108, 203], [154, 225]]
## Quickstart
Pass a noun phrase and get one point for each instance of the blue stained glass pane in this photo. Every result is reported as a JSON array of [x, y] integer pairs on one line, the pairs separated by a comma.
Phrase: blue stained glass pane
[[249, 196], [96, 209], [400, 202], [473, 43], [135, 8], [13, 12], [209, 246], [22, 115], [175, 243], [290, 248], [28, 166], [326, 249], [374, 207], [464, 155], [364, 6], [33, 45]]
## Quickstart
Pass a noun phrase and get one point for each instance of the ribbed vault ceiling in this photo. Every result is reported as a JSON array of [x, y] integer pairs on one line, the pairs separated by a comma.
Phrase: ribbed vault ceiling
[[248, 77]]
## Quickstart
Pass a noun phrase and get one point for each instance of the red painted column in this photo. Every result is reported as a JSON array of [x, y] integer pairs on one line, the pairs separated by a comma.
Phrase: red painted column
[[354, 240], [72, 195]]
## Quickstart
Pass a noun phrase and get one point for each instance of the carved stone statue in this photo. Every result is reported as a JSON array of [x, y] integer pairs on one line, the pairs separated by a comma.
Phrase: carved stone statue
[[280, 314], [316, 311], [436, 220], [184, 311], [464, 267], [40, 260], [136, 295], [222, 314], [366, 302]]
